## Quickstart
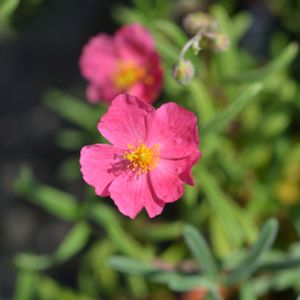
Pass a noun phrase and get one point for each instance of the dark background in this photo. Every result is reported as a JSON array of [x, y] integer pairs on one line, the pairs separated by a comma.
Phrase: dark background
[[42, 53]]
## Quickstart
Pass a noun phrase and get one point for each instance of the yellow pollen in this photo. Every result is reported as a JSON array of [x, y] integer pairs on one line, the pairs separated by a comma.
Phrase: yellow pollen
[[127, 74], [142, 158]]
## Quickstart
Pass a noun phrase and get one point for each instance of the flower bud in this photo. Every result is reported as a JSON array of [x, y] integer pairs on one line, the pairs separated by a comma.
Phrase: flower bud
[[221, 42], [198, 21], [183, 72]]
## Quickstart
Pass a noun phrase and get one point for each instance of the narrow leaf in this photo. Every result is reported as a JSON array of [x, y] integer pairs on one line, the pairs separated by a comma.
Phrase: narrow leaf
[[278, 64], [279, 265], [223, 118], [222, 208], [252, 259], [130, 266], [32, 262], [7, 8], [26, 284], [74, 110], [73, 242], [186, 283], [70, 246], [200, 251], [171, 30], [53, 200], [121, 239]]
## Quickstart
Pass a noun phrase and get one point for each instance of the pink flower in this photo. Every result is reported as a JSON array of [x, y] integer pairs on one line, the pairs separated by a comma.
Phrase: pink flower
[[150, 157], [124, 63]]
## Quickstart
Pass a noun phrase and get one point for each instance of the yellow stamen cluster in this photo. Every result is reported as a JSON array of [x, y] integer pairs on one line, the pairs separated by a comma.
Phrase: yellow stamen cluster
[[142, 158], [129, 73]]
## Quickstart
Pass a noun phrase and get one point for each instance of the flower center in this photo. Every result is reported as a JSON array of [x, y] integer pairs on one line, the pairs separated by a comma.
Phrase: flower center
[[142, 158], [127, 74]]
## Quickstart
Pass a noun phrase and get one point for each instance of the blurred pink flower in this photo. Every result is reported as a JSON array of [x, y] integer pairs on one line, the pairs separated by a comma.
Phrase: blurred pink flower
[[150, 157], [124, 63]]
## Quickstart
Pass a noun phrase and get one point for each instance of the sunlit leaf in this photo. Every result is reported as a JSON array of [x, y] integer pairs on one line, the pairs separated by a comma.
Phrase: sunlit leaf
[[53, 200], [252, 258], [220, 121], [200, 251]]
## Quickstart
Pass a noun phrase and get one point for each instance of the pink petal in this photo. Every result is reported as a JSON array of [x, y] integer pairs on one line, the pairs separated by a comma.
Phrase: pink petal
[[98, 59], [191, 160], [166, 182], [126, 121], [100, 164], [132, 192], [133, 41], [148, 89], [175, 130]]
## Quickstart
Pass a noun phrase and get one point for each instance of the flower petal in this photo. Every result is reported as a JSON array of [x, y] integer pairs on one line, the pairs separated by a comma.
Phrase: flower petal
[[134, 41], [132, 192], [186, 175], [165, 180], [100, 165], [98, 59], [149, 88], [175, 130], [126, 121]]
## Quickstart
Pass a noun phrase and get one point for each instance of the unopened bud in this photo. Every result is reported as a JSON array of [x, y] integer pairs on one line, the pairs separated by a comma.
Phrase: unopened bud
[[198, 21], [183, 72], [221, 42]]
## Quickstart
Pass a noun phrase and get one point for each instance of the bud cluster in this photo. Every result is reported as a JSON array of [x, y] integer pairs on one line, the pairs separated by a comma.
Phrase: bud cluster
[[206, 36], [206, 27]]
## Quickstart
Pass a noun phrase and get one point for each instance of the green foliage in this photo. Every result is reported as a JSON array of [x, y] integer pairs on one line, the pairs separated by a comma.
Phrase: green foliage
[[56, 202], [71, 245], [200, 251], [220, 120], [7, 8], [250, 262]]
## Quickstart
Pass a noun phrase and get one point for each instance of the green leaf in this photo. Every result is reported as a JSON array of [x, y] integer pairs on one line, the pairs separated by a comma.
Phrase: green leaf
[[71, 139], [282, 264], [26, 285], [182, 283], [201, 99], [223, 118], [227, 60], [281, 62], [252, 259], [7, 8], [166, 49], [71, 245], [124, 15], [161, 232], [69, 169], [171, 30], [130, 266], [57, 202], [241, 23], [175, 281], [104, 216], [247, 292], [200, 251], [222, 208], [73, 242], [48, 289], [33, 262], [76, 111]]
